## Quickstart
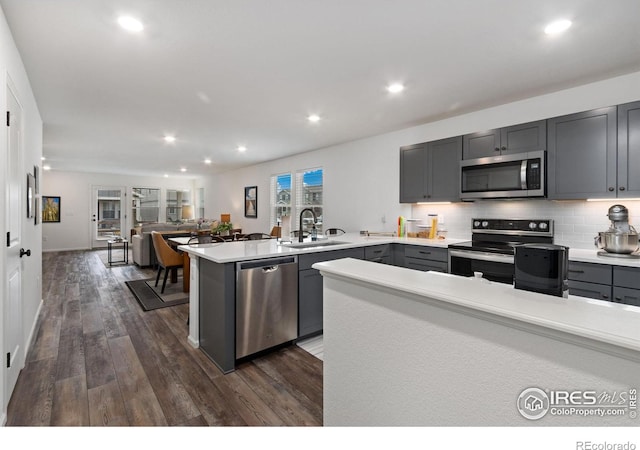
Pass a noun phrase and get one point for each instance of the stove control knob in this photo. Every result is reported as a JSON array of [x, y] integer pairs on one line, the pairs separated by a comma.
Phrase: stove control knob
[[543, 225], [485, 224], [476, 224], [532, 225]]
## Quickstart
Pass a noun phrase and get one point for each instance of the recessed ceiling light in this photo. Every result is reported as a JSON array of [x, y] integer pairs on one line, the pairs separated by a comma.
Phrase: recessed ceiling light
[[207, 161], [395, 88], [242, 148], [42, 158], [46, 167], [183, 169], [130, 24], [557, 27], [170, 139], [314, 118], [166, 175]]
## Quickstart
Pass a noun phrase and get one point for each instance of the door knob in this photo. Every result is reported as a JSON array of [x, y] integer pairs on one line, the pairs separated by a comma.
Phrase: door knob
[[24, 252]]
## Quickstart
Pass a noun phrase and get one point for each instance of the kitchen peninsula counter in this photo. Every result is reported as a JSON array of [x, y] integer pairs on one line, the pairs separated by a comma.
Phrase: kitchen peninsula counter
[[212, 269], [403, 347]]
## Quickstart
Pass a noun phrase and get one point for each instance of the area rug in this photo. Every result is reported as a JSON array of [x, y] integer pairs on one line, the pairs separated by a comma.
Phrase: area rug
[[150, 297]]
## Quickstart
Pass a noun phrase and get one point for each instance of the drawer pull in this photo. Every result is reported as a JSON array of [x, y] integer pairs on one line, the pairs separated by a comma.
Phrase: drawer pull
[[618, 299], [424, 253], [605, 296], [576, 271], [377, 251]]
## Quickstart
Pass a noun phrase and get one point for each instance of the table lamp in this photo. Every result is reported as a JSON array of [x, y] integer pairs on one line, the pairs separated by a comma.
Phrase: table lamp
[[187, 212]]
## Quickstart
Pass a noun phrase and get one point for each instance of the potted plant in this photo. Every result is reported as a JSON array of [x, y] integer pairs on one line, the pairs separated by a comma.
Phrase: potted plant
[[223, 228]]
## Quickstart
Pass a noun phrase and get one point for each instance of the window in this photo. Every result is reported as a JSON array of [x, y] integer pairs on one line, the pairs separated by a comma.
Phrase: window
[[200, 203], [280, 197], [145, 205], [175, 201], [309, 184]]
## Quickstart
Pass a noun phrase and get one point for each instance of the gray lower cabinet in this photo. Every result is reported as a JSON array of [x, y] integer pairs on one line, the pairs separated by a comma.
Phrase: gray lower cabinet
[[526, 137], [310, 298], [429, 172], [579, 144], [626, 285], [617, 284], [217, 315], [423, 258], [379, 253]]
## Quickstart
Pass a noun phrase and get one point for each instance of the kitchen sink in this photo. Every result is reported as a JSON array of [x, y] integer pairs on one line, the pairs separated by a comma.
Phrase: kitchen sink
[[313, 244]]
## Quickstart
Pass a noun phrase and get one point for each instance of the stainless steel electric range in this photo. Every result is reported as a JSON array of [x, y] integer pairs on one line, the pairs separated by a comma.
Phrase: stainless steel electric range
[[491, 248]]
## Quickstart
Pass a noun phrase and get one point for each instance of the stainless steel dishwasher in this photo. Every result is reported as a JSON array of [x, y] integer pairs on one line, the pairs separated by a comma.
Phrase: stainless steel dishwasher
[[266, 304]]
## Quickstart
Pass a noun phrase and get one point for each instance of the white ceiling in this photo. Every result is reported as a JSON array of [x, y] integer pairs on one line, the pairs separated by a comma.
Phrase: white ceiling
[[219, 74]]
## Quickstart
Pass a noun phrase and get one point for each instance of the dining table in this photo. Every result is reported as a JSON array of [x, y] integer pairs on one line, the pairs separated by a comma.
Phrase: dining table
[[186, 265]]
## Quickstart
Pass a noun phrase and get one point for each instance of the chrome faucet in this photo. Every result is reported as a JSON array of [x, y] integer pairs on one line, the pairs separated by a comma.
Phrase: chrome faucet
[[315, 219]]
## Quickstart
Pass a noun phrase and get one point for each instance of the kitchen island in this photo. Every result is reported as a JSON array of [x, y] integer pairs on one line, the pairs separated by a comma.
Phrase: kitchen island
[[403, 347], [213, 272]]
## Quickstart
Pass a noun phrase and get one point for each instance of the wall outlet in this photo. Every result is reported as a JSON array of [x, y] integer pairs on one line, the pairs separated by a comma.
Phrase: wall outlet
[[383, 219], [44, 239]]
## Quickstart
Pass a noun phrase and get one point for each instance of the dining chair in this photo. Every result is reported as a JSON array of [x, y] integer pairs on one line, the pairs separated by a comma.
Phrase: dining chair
[[205, 239], [276, 231], [334, 231], [255, 237], [168, 259]]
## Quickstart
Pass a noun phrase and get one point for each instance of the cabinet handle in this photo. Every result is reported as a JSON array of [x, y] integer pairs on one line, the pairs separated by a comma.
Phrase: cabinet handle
[[576, 271], [618, 299], [503, 148], [622, 188], [605, 296], [424, 253], [497, 149], [611, 189], [377, 251]]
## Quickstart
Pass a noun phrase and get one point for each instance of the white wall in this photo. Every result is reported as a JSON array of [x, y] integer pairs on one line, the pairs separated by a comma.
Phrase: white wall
[[11, 66], [362, 177], [73, 232]]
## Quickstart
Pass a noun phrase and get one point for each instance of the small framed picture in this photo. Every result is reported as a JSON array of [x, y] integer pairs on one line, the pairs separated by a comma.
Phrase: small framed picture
[[251, 201], [50, 209]]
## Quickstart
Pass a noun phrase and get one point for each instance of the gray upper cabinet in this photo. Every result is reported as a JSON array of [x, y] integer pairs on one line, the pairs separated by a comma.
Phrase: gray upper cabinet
[[430, 171], [525, 137], [582, 160], [629, 150]]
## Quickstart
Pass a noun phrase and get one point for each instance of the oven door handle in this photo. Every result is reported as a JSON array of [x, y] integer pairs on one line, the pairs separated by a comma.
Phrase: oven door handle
[[482, 256]]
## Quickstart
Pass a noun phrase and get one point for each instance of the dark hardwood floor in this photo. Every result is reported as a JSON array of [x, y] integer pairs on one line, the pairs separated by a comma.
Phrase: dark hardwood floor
[[98, 359]]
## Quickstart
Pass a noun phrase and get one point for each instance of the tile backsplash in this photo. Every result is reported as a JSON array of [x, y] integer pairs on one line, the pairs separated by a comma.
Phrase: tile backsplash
[[576, 222]]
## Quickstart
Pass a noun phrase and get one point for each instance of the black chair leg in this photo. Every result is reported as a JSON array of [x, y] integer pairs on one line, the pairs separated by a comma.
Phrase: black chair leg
[[158, 276], [164, 283]]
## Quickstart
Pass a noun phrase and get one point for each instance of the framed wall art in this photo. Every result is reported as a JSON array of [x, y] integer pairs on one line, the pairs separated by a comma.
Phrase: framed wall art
[[50, 209], [251, 201]]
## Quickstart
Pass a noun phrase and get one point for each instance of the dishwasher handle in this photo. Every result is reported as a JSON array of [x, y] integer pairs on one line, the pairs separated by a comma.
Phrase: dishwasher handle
[[267, 265]]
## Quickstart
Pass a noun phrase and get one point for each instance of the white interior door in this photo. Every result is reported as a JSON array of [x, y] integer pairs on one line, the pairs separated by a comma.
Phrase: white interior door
[[13, 352], [108, 214]]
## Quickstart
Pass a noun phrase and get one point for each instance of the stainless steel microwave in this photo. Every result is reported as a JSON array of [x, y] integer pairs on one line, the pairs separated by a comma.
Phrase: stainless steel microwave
[[506, 176]]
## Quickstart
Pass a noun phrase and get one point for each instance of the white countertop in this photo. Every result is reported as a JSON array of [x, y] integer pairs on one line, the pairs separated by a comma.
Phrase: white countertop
[[611, 323], [591, 256], [246, 250]]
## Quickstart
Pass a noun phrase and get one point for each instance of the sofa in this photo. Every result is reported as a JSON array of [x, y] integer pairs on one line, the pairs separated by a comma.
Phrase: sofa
[[141, 246]]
